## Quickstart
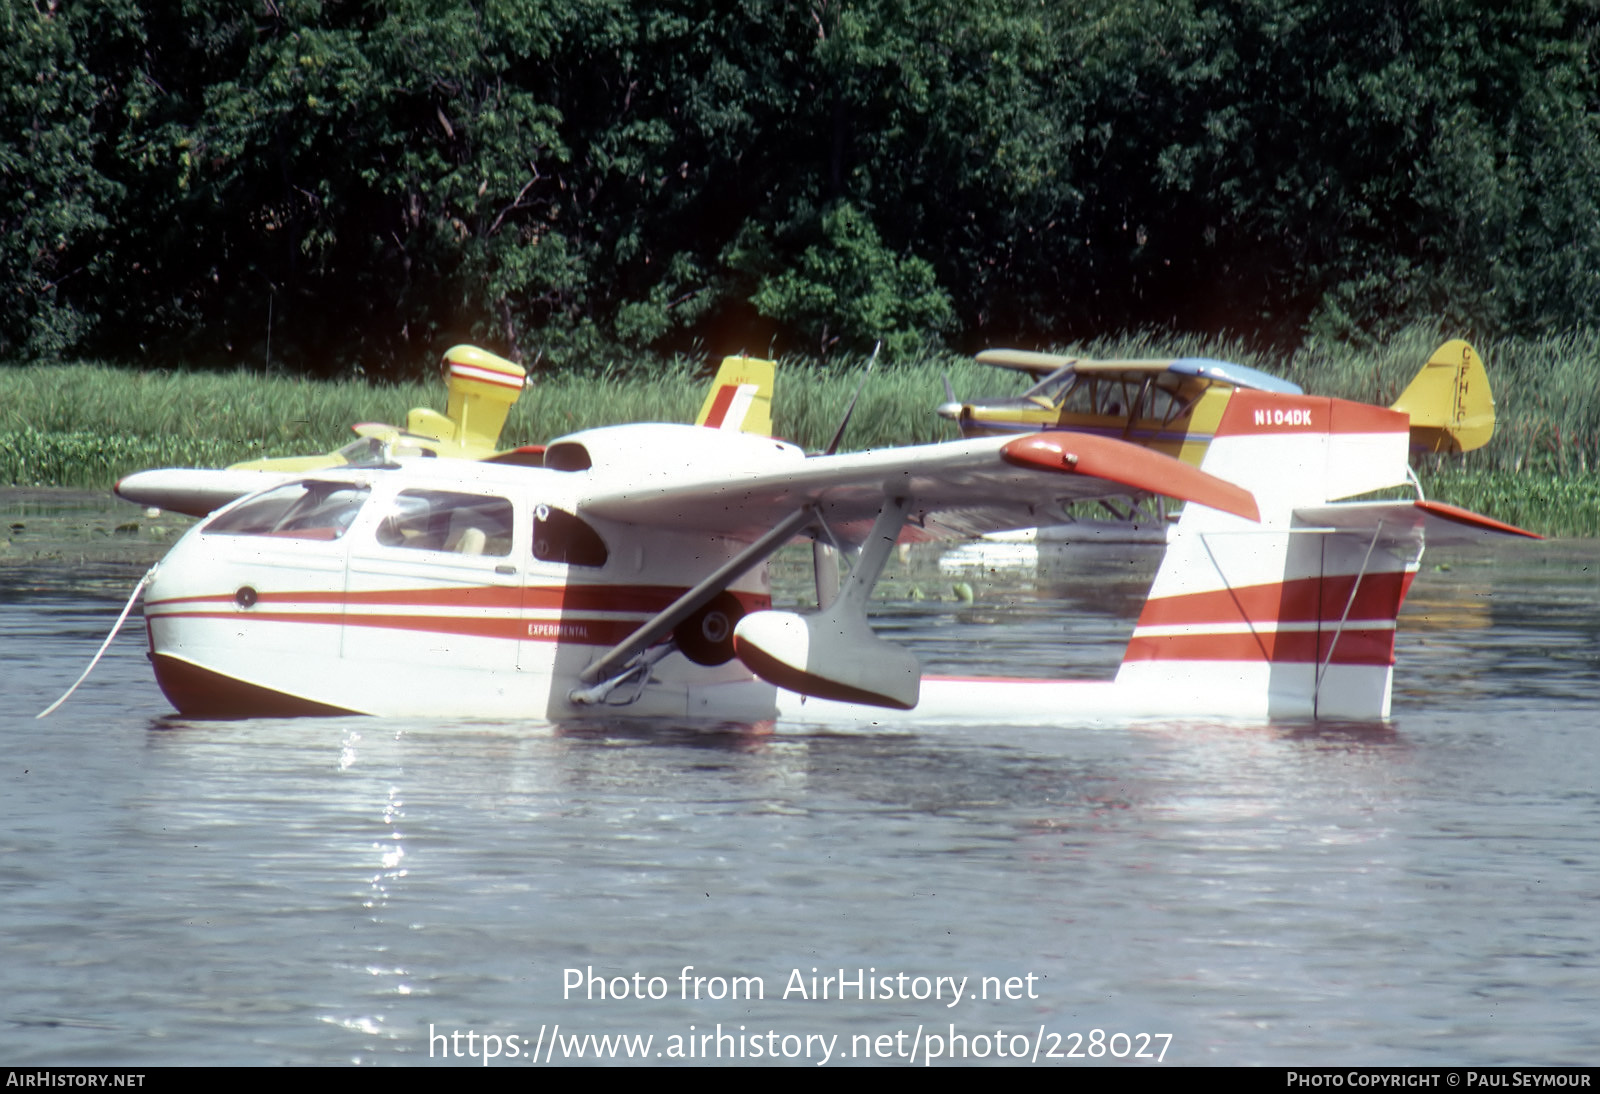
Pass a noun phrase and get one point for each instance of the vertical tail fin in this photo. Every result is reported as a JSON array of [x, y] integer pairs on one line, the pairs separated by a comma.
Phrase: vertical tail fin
[[1285, 618], [741, 397], [1449, 401], [482, 387]]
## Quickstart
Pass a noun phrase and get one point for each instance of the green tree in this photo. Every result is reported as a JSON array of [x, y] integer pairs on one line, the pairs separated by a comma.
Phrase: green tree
[[55, 205], [362, 183]]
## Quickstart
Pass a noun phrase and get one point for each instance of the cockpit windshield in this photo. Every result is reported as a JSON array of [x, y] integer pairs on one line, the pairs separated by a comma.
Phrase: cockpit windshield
[[376, 452], [1054, 388], [299, 510], [364, 452]]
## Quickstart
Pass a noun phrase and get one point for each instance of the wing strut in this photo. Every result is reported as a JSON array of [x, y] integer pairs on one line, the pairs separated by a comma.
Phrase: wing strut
[[832, 653], [652, 630]]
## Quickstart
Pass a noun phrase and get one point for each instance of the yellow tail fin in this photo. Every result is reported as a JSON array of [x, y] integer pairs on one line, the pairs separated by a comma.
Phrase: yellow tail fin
[[740, 397], [1451, 407], [482, 388]]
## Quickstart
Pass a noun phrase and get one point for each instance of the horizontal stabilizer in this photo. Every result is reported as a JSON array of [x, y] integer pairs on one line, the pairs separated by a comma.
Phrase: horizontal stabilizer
[[1439, 523]]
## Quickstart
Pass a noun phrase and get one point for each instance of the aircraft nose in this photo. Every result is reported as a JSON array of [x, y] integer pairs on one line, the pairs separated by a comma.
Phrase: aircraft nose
[[952, 411]]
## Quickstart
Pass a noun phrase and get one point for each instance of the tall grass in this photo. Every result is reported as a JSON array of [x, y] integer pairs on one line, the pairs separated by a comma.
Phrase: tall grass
[[86, 424]]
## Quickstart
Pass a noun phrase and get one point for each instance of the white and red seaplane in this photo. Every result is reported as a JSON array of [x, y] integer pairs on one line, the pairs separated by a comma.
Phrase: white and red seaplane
[[628, 576]]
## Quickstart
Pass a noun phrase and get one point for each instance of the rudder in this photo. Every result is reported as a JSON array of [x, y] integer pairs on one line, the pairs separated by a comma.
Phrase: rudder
[[1282, 618], [1449, 401], [740, 397]]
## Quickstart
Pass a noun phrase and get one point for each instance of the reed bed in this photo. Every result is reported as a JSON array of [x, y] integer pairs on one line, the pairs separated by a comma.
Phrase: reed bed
[[86, 424]]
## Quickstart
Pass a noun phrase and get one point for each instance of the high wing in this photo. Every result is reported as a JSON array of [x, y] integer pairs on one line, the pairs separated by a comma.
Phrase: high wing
[[482, 387], [766, 492], [955, 489], [1204, 368]]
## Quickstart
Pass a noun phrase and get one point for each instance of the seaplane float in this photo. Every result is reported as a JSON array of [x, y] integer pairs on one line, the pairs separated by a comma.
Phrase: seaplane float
[[627, 575]]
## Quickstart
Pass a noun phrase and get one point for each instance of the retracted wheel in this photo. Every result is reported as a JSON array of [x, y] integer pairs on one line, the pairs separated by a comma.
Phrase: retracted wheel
[[706, 637]]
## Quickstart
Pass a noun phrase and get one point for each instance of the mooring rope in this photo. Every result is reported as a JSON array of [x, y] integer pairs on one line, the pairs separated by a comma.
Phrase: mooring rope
[[126, 608]]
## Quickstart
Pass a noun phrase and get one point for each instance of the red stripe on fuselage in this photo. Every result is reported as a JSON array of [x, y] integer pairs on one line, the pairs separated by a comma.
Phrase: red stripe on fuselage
[[638, 600], [1299, 600], [1356, 645], [1265, 412], [589, 598], [602, 632]]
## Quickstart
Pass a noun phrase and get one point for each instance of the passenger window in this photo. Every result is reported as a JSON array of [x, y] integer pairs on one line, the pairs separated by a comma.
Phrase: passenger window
[[558, 536], [299, 510], [445, 520]]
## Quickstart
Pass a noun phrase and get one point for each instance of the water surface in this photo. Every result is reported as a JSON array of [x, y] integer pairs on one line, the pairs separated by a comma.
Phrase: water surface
[[1425, 891]]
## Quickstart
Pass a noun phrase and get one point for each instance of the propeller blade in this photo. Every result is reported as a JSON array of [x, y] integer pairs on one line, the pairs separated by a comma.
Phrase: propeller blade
[[838, 434]]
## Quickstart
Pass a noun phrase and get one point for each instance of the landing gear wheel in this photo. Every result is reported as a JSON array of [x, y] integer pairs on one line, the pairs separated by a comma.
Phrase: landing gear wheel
[[706, 637]]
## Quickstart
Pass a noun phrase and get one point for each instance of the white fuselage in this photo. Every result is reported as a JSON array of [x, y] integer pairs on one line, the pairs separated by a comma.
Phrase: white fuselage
[[364, 618], [352, 624]]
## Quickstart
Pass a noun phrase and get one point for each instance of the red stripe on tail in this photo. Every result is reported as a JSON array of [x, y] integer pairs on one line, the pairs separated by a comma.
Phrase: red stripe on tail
[[719, 405]]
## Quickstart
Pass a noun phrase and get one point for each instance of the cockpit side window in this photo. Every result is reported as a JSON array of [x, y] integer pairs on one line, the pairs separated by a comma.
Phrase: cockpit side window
[[1054, 389], [1117, 396], [559, 536], [1169, 403], [448, 520], [298, 510]]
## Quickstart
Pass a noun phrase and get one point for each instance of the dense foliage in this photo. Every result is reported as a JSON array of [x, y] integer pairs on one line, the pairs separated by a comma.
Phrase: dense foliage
[[362, 183]]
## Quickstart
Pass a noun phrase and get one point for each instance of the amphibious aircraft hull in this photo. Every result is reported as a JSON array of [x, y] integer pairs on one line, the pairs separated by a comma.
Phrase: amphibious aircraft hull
[[292, 691]]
